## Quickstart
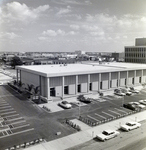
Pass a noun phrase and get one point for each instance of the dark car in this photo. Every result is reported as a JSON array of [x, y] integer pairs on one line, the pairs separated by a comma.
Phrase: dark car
[[130, 106], [84, 99]]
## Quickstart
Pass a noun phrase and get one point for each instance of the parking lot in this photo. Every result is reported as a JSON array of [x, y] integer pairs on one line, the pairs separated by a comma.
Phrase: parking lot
[[11, 122], [25, 121]]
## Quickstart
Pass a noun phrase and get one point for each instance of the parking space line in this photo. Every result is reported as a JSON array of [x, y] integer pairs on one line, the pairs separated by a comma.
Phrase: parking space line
[[21, 126], [12, 115], [114, 112], [17, 132], [120, 110], [8, 112], [15, 119], [4, 107], [108, 114], [100, 116], [92, 118], [4, 104], [17, 122]]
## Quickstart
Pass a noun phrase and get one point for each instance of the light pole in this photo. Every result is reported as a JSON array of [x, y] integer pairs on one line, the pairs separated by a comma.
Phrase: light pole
[[123, 100], [79, 109]]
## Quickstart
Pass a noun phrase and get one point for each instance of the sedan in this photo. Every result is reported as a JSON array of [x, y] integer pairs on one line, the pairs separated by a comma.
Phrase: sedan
[[130, 126], [130, 106], [107, 134], [138, 105], [142, 102], [65, 104]]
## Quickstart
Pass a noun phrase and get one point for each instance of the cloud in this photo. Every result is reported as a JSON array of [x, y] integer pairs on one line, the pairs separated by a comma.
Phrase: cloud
[[8, 35], [16, 11], [53, 32], [64, 10], [75, 27], [90, 28], [101, 33], [72, 33]]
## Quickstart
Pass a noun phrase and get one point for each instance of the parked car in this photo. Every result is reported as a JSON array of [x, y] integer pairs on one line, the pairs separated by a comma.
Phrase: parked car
[[107, 134], [142, 102], [137, 104], [119, 92], [126, 91], [130, 106], [131, 89], [84, 99], [130, 126], [65, 104]]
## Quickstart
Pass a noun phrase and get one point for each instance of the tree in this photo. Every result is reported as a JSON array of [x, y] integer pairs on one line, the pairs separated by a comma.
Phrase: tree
[[30, 87], [36, 90], [16, 61]]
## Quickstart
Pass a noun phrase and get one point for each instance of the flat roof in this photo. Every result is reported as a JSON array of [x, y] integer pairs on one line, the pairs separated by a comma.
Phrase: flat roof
[[80, 68]]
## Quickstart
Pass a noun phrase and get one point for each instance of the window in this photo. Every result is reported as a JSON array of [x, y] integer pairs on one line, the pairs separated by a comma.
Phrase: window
[[90, 87], [139, 79], [132, 80], [101, 85]]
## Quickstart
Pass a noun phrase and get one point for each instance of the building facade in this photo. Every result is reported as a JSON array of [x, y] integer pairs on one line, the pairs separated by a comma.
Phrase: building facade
[[137, 53], [74, 79]]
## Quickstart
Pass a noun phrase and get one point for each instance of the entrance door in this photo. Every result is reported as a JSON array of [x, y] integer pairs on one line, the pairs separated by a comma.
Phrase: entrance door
[[52, 92], [66, 90], [79, 88]]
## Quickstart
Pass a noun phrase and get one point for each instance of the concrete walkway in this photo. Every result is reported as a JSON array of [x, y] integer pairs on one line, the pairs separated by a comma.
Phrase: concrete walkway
[[86, 135]]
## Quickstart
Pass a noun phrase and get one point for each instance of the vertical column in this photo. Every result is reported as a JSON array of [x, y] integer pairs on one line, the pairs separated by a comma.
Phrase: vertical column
[[127, 78], [88, 83], [134, 76], [141, 76], [76, 86], [17, 75], [40, 84], [118, 79], [109, 80], [62, 86], [20, 75], [48, 88], [99, 82]]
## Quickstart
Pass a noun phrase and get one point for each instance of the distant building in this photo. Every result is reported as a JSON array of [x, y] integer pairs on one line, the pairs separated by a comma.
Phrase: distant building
[[118, 56], [79, 52], [137, 53]]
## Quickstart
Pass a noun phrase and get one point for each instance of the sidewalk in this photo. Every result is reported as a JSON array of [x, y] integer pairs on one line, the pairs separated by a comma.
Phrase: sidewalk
[[86, 135]]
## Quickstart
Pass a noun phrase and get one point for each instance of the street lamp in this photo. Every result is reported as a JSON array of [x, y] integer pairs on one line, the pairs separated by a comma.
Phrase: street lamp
[[123, 100], [79, 109]]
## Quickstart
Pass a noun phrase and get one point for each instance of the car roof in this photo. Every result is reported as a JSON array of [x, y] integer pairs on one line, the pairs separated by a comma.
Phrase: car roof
[[109, 130], [131, 122]]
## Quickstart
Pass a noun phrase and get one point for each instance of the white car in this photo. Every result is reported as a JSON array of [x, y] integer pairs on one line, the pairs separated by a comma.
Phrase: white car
[[107, 134], [138, 105], [130, 126], [65, 104], [126, 91], [131, 89], [142, 102]]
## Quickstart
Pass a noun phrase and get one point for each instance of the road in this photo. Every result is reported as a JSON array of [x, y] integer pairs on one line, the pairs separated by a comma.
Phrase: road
[[133, 140]]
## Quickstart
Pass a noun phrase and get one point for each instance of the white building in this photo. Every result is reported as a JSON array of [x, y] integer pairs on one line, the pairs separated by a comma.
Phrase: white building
[[73, 79]]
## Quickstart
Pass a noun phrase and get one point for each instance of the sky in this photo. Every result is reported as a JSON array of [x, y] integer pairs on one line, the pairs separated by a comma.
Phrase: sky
[[71, 25]]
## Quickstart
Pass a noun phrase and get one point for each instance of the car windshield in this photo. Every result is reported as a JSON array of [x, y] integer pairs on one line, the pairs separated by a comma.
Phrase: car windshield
[[64, 102], [105, 133], [129, 124]]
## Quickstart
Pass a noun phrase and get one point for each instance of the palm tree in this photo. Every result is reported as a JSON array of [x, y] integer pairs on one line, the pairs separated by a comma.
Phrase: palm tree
[[36, 90], [29, 87]]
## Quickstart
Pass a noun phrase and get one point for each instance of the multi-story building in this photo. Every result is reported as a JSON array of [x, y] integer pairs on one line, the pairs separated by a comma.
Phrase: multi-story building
[[137, 53]]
